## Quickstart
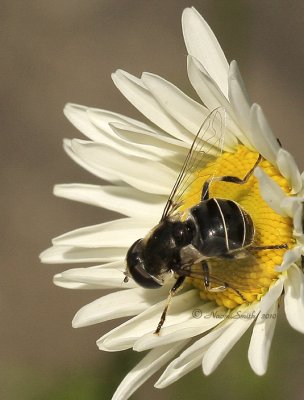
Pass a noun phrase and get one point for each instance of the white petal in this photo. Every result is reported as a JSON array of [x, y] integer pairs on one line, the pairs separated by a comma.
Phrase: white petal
[[59, 281], [271, 192], [96, 170], [167, 150], [290, 257], [261, 338], [187, 327], [149, 138], [298, 218], [122, 199], [151, 363], [87, 278], [127, 334], [271, 297], [292, 206], [71, 254], [212, 96], [77, 115], [133, 170], [101, 278], [138, 94], [220, 347], [193, 355], [205, 86], [174, 373], [103, 119], [202, 44], [83, 118], [261, 135], [182, 108], [124, 303], [288, 168], [118, 233], [240, 102], [294, 298]]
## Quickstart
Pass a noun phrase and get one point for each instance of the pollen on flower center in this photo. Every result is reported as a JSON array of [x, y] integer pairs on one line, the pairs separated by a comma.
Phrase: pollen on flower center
[[250, 277]]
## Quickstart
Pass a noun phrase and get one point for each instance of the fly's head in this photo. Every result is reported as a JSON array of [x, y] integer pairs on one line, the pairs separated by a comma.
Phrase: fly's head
[[152, 259]]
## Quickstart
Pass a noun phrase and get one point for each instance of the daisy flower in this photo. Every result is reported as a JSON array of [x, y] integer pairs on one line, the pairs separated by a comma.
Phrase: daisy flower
[[141, 162]]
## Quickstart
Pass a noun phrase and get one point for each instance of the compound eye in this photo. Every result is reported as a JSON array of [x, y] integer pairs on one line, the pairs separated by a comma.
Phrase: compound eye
[[136, 267], [142, 278]]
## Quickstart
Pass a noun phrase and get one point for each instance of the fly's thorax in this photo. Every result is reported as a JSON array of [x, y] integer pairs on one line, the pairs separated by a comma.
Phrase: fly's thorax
[[163, 246]]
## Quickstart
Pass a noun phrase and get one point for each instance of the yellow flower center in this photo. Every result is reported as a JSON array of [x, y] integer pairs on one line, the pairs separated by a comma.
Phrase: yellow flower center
[[248, 278]]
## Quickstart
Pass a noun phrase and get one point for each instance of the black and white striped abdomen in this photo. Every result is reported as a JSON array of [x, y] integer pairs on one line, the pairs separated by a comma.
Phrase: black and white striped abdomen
[[221, 226]]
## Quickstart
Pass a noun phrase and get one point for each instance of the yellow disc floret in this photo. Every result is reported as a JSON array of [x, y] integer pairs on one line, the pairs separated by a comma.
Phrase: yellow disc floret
[[249, 277]]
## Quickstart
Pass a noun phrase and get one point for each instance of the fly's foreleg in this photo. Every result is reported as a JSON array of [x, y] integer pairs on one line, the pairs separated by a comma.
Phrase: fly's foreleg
[[176, 286]]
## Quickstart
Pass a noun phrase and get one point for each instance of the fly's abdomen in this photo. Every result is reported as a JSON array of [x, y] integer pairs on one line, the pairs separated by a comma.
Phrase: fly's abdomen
[[221, 226]]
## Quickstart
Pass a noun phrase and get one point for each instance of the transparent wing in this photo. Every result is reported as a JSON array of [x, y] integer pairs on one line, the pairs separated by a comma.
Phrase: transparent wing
[[206, 147], [227, 273]]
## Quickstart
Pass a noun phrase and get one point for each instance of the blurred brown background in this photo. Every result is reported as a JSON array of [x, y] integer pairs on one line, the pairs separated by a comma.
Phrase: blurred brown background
[[56, 51]]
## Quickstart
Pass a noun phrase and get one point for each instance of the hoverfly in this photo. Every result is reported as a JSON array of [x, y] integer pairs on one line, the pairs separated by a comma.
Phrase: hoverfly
[[215, 228]]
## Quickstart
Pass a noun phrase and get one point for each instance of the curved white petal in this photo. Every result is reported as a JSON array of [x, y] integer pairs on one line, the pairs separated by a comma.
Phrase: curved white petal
[[138, 94], [298, 219], [186, 111], [122, 199], [176, 372], [168, 150], [202, 44], [288, 168], [148, 138], [290, 257], [125, 335], [261, 339], [271, 297], [151, 363], [221, 346], [103, 119], [291, 205], [96, 170], [101, 278], [240, 102], [77, 115], [294, 298], [261, 135], [182, 108], [270, 191], [117, 233], [100, 132], [187, 327], [133, 170], [71, 254], [205, 86], [59, 281], [212, 96], [193, 355], [124, 303]]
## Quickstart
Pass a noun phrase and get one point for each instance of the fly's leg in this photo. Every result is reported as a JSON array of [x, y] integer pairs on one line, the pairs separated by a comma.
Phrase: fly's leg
[[176, 286], [270, 247], [206, 274], [223, 285], [228, 178]]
